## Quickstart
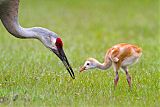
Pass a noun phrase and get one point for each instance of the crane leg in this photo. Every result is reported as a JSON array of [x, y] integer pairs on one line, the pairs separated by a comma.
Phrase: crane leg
[[127, 76]]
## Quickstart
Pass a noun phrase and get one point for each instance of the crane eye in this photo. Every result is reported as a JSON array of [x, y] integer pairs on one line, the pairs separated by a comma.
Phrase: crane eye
[[87, 63]]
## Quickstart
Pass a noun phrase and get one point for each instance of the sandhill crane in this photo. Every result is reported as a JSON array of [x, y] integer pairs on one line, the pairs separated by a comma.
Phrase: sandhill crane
[[121, 55], [9, 18]]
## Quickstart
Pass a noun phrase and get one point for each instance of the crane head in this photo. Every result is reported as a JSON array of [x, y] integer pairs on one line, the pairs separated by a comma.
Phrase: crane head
[[51, 41], [90, 63], [58, 50]]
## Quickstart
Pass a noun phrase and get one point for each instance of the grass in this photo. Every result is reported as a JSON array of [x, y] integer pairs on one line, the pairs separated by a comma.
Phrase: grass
[[33, 76]]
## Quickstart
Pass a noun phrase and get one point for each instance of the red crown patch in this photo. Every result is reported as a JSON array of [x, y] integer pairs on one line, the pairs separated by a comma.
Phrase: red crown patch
[[59, 43]]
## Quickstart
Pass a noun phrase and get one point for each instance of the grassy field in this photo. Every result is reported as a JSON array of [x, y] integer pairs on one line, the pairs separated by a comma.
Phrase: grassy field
[[31, 75]]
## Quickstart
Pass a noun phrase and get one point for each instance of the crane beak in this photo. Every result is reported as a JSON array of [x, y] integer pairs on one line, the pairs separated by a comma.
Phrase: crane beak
[[60, 53]]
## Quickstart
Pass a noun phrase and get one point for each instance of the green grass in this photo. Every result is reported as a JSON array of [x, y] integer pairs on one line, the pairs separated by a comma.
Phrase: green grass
[[33, 76]]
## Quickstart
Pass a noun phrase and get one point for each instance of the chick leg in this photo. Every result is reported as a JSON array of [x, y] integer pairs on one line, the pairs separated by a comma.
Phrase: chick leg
[[116, 68], [127, 75]]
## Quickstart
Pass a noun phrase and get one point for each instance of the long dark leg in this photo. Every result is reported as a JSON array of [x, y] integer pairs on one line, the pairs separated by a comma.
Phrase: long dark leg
[[127, 75]]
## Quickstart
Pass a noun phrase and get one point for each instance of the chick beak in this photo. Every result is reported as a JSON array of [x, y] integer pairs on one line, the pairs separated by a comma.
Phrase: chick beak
[[82, 68]]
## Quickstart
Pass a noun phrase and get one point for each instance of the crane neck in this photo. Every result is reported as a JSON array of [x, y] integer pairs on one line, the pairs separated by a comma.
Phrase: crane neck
[[9, 18], [13, 27], [105, 65]]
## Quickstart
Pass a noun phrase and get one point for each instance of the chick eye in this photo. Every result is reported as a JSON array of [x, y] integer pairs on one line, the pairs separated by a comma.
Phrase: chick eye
[[87, 63]]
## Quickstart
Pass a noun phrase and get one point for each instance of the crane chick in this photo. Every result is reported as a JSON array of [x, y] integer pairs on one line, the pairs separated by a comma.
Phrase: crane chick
[[121, 55]]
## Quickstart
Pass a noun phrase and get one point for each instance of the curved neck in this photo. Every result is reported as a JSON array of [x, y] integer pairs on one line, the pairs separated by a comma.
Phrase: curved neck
[[105, 65], [12, 25], [9, 18]]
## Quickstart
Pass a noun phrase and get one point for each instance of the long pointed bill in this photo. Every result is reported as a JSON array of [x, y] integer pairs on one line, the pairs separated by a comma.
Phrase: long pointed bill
[[64, 59]]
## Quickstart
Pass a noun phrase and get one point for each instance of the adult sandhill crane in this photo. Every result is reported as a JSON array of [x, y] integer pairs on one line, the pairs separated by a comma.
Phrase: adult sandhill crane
[[9, 18], [121, 55]]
